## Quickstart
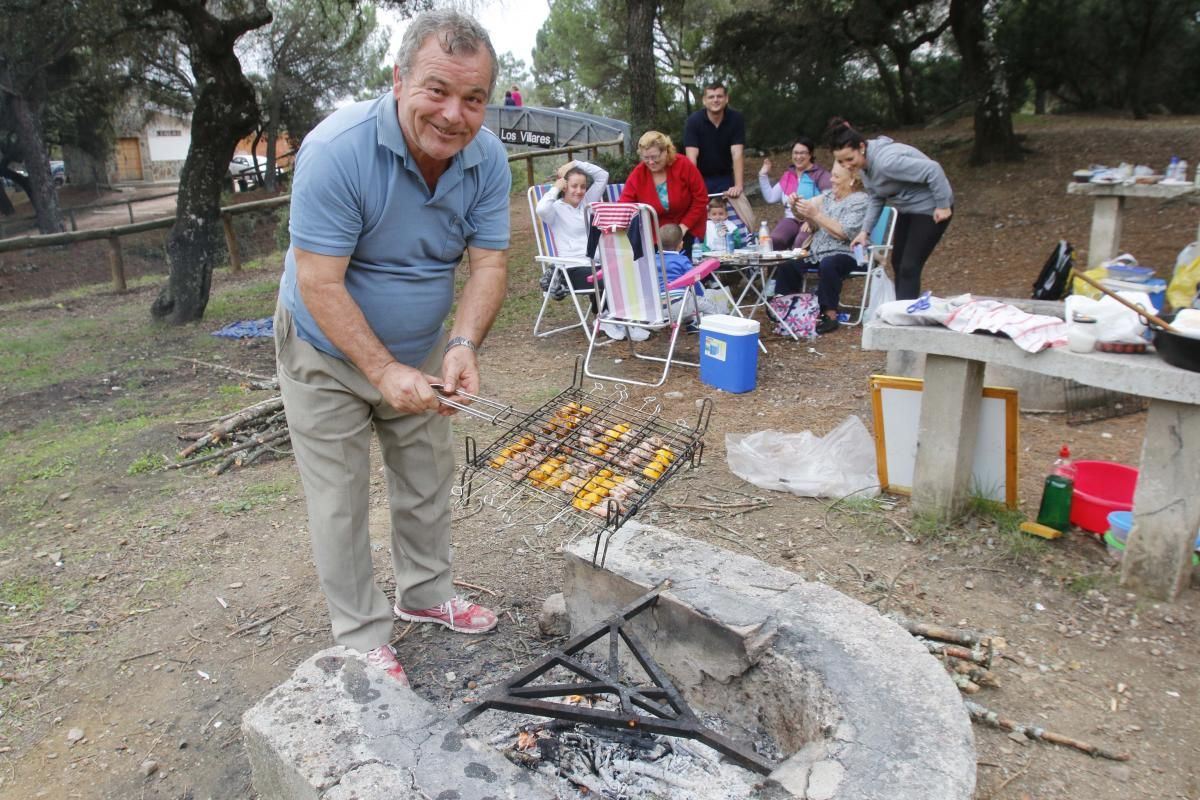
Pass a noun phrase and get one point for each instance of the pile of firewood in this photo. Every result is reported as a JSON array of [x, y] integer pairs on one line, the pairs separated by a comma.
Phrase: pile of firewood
[[238, 439]]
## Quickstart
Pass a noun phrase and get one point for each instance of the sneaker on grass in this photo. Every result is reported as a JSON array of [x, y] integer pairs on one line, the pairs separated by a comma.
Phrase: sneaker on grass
[[384, 658], [456, 614]]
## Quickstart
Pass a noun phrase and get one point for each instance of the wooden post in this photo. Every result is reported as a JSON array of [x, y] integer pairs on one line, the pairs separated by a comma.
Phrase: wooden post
[[593, 153], [529, 172], [116, 262], [231, 242], [71, 216], [129, 205]]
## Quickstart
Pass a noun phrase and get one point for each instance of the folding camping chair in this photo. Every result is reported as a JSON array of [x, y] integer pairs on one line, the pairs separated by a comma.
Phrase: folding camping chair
[[557, 267], [635, 291], [879, 252]]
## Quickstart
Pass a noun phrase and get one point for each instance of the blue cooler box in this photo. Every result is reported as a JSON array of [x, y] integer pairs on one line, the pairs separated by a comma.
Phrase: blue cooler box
[[729, 352]]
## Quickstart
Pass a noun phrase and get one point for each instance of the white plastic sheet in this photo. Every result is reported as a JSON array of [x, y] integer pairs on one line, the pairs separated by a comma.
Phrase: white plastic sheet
[[838, 464]]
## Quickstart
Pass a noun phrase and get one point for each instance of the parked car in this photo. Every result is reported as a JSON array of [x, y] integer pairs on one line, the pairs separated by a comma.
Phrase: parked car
[[249, 170]]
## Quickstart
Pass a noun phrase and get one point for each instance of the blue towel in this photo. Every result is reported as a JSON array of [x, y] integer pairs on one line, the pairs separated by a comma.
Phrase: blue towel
[[244, 329]]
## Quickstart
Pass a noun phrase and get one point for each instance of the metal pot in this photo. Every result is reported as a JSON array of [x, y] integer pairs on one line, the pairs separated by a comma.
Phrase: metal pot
[[1177, 350]]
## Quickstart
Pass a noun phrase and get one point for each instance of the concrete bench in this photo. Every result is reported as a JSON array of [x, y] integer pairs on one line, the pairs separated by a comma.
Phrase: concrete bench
[[1166, 504]]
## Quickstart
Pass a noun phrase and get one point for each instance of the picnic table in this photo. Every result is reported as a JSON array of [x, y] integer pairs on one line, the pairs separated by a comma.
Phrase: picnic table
[[1166, 503], [1105, 240], [756, 270]]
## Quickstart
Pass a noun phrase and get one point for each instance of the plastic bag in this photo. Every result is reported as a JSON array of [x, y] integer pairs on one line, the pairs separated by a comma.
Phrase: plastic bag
[[839, 464], [1114, 322], [1181, 291], [882, 291]]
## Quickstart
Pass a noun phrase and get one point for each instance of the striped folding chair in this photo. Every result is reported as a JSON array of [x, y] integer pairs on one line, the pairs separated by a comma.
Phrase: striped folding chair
[[635, 291], [556, 267]]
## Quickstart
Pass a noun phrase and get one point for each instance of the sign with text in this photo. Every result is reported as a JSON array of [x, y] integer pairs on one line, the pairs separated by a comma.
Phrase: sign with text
[[528, 138]]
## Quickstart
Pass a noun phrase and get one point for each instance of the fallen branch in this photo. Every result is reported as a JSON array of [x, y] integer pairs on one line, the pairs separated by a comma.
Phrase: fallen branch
[[223, 368], [254, 441], [249, 626], [975, 655], [466, 585], [986, 716]]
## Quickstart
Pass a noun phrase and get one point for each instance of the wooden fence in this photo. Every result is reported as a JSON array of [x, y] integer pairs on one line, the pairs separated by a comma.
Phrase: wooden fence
[[592, 149], [116, 260], [113, 234]]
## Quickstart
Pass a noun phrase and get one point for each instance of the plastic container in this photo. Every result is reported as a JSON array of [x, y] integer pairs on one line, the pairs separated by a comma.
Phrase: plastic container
[[729, 352], [1101, 487], [1121, 523], [1130, 272], [1155, 289]]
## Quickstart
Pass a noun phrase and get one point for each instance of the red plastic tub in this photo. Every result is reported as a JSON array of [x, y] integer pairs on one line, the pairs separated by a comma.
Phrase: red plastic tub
[[1101, 487]]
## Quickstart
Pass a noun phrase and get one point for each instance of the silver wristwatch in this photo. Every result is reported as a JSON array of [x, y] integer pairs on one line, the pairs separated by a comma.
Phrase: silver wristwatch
[[460, 341]]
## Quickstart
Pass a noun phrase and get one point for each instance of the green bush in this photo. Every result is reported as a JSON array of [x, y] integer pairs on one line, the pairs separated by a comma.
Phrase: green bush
[[619, 166]]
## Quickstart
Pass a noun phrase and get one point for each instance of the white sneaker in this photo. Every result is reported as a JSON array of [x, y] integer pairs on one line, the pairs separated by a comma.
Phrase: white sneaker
[[613, 331], [639, 334]]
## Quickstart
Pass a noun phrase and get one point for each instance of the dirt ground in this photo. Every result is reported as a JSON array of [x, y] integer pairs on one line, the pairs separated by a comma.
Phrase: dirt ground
[[127, 596]]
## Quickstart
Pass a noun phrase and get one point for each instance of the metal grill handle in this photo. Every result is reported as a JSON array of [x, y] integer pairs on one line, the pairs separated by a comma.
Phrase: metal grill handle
[[482, 407]]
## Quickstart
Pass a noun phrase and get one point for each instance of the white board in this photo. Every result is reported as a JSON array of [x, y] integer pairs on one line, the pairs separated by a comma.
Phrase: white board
[[897, 406]]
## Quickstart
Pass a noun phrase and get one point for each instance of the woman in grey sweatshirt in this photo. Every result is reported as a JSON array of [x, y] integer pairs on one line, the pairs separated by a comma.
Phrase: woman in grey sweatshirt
[[909, 181]]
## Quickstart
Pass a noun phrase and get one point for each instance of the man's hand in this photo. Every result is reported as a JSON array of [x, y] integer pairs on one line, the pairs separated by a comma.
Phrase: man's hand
[[733, 191], [407, 390], [941, 214], [460, 370]]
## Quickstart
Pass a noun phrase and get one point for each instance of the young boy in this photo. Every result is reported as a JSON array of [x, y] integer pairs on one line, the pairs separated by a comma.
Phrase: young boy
[[719, 228], [670, 237]]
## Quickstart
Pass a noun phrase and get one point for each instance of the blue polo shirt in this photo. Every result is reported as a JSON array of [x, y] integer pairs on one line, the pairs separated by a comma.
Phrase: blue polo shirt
[[357, 192]]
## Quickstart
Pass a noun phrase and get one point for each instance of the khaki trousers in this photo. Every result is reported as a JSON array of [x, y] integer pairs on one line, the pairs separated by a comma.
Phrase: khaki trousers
[[331, 408]]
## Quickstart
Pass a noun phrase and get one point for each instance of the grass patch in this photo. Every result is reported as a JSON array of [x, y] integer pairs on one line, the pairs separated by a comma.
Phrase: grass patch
[[24, 593], [1084, 583], [270, 491], [244, 301], [1020, 546], [930, 525], [148, 461]]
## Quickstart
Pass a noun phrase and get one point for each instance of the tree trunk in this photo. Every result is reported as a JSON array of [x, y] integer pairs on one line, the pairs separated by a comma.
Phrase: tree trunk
[[41, 190], [908, 105], [643, 84], [226, 111], [983, 69], [889, 84]]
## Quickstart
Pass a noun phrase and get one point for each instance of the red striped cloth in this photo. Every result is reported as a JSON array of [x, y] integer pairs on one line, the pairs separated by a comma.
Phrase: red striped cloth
[[613, 216]]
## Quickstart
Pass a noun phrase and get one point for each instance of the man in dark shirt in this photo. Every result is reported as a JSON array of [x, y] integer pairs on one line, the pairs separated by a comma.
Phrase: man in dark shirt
[[714, 138]]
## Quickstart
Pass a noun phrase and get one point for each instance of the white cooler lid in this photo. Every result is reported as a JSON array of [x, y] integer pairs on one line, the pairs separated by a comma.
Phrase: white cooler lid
[[728, 323]]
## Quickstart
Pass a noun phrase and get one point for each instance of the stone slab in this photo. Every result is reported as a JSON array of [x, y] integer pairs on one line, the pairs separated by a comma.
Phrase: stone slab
[[866, 712], [338, 729], [1145, 374]]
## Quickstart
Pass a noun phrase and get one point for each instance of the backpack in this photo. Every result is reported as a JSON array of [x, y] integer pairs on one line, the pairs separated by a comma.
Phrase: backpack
[[1055, 277], [799, 310]]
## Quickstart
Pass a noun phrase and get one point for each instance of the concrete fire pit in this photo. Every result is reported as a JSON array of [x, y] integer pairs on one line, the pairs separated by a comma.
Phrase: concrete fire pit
[[862, 709], [865, 710]]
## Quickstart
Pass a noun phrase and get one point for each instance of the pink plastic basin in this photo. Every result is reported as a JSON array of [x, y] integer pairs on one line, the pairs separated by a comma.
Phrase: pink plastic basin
[[1101, 487]]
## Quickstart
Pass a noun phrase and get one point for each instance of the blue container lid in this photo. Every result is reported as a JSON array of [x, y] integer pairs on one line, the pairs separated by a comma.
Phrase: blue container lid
[[1121, 521]]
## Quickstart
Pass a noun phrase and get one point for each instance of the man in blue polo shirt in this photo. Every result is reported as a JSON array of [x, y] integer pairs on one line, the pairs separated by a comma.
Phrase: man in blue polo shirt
[[387, 195], [714, 138]]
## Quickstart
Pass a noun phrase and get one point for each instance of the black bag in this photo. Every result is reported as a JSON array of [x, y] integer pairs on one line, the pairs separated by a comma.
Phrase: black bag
[[1055, 277]]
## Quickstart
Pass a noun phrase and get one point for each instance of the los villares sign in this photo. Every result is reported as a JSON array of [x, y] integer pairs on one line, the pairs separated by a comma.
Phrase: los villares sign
[[528, 138]]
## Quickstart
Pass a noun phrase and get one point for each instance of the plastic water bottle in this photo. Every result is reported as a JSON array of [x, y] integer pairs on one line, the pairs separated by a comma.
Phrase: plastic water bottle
[[1055, 509], [764, 238], [1172, 172], [1183, 170], [728, 237], [697, 251]]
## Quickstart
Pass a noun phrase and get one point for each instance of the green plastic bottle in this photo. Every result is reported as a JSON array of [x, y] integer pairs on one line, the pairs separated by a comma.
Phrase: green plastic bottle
[[1057, 491]]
